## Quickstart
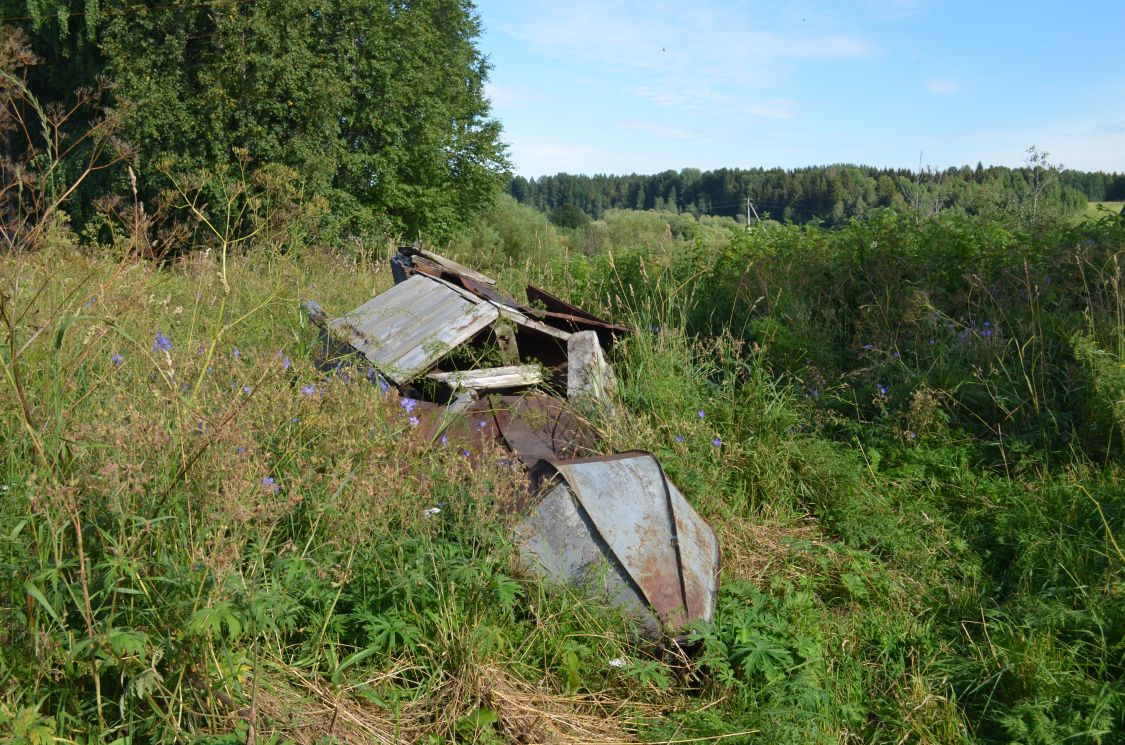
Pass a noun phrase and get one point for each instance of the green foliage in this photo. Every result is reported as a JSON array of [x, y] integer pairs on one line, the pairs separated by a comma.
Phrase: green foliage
[[379, 107], [569, 216]]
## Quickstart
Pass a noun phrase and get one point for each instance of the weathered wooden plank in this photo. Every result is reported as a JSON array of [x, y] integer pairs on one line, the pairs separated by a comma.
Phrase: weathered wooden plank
[[491, 378], [590, 383], [521, 319], [453, 266]]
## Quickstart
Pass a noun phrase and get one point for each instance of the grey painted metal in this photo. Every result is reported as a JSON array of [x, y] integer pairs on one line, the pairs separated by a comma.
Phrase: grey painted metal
[[644, 527], [558, 541], [411, 326]]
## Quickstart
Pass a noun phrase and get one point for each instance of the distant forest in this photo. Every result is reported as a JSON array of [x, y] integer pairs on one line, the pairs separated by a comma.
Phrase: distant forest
[[828, 193]]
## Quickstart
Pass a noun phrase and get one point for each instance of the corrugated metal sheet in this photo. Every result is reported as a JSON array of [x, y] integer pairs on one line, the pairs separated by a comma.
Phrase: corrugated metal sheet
[[408, 328]]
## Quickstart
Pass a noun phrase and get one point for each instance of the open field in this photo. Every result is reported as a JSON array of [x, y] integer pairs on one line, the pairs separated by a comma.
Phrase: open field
[[1097, 209], [907, 434]]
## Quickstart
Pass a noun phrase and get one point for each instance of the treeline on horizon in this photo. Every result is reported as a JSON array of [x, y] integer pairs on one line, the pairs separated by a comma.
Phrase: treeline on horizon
[[831, 194]]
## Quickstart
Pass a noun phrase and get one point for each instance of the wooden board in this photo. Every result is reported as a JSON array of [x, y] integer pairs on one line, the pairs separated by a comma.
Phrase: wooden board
[[491, 378]]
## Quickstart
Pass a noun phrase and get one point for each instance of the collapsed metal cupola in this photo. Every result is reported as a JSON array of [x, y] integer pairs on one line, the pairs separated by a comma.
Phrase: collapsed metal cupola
[[612, 525]]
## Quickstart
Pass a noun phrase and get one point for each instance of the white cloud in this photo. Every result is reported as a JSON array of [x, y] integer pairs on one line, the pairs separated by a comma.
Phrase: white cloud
[[942, 86]]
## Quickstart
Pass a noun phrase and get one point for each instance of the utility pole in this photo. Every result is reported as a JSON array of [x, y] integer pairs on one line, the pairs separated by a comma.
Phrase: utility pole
[[749, 208]]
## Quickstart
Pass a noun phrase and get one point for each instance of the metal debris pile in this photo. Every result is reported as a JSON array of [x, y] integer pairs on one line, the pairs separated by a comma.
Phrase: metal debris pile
[[531, 376]]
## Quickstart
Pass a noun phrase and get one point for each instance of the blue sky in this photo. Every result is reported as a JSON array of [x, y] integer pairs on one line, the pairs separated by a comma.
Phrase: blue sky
[[623, 86]]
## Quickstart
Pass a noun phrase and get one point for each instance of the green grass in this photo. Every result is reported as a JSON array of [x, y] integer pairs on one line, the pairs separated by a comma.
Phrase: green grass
[[910, 445], [1098, 209]]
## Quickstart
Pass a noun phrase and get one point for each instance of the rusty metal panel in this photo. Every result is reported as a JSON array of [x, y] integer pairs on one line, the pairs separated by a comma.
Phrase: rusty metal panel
[[408, 328], [700, 557], [539, 427], [566, 316], [668, 550]]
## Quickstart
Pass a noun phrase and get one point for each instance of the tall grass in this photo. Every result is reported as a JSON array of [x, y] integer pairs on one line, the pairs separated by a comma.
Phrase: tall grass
[[932, 411], [907, 435]]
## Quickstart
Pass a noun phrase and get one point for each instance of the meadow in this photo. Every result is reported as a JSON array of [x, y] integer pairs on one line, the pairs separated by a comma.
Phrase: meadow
[[907, 433], [1097, 209]]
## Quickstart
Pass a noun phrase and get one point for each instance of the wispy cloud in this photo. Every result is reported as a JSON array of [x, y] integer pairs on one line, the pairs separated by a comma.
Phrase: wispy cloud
[[664, 132], [1108, 128], [778, 108], [716, 56], [942, 86], [531, 156], [510, 97]]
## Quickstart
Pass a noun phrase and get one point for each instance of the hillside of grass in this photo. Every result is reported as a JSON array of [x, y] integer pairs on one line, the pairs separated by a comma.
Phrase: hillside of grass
[[907, 433]]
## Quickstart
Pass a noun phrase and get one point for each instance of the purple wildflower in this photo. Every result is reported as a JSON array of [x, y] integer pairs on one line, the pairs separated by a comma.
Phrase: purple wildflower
[[200, 350], [162, 343], [986, 333], [247, 390], [236, 353], [702, 413], [482, 424], [868, 347], [717, 441], [465, 452], [382, 386], [444, 440], [414, 421], [268, 482], [309, 390], [882, 390], [117, 359], [408, 404], [896, 355], [239, 450], [679, 438]]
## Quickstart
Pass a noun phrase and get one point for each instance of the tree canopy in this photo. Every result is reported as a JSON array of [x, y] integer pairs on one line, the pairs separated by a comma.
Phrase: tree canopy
[[379, 107], [828, 193]]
